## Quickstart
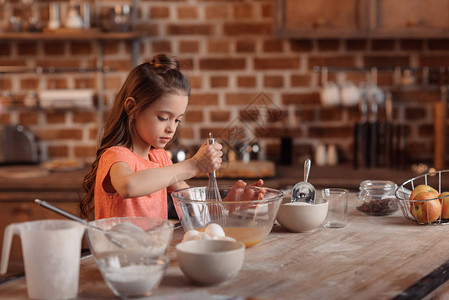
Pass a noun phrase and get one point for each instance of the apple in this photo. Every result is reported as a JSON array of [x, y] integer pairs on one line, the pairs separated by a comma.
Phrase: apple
[[426, 211], [422, 188], [445, 205]]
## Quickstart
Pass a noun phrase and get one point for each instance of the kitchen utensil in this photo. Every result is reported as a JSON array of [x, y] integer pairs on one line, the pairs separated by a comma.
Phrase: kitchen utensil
[[209, 262], [337, 213], [212, 192], [304, 191], [17, 145], [124, 235], [158, 233], [365, 134], [330, 94], [376, 197], [438, 180], [374, 133], [302, 216], [132, 276], [51, 252], [247, 221]]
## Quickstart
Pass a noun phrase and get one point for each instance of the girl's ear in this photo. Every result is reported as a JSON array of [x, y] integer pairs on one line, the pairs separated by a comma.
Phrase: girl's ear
[[130, 103]]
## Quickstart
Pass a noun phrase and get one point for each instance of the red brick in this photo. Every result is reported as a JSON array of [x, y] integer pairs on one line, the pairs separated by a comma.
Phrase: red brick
[[276, 132], [93, 134], [246, 81], [438, 44], [84, 117], [112, 83], [161, 46], [334, 61], [190, 29], [85, 151], [187, 12], [5, 83], [219, 81], [273, 81], [27, 48], [355, 45], [220, 116], [189, 46], [301, 98], [57, 83], [300, 80], [434, 60], [5, 118], [267, 10], [415, 113], [123, 64], [328, 45], [5, 49], [56, 117], [28, 118], [308, 114], [330, 132], [85, 83], [419, 96], [159, 12], [222, 64], [66, 63], [185, 132], [426, 131], [239, 98], [110, 47], [217, 11], [58, 151], [382, 45], [273, 46], [59, 134], [196, 82], [80, 48], [194, 116], [243, 11], [279, 63], [301, 45], [245, 46], [386, 61], [203, 99], [7, 61], [186, 63], [253, 28], [29, 84], [54, 47], [330, 114], [218, 46], [414, 45]]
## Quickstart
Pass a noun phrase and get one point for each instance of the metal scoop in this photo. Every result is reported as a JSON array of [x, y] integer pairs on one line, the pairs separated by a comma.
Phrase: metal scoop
[[123, 235], [304, 191]]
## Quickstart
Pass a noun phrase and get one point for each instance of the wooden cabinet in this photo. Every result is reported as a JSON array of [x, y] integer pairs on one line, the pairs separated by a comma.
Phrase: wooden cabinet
[[316, 18], [361, 18], [409, 18]]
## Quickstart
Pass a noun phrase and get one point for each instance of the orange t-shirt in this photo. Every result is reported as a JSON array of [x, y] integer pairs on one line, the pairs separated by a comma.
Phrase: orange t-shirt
[[108, 205]]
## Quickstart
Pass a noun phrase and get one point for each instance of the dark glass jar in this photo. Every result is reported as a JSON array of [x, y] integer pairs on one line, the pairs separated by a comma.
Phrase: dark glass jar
[[376, 198]]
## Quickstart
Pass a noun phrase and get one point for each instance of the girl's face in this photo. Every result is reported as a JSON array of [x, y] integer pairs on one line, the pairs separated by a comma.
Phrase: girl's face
[[156, 125]]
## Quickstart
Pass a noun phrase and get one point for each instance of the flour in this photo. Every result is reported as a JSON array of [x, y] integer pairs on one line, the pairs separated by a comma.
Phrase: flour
[[133, 280]]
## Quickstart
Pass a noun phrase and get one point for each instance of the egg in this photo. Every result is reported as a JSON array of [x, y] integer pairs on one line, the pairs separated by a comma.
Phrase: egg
[[191, 235], [214, 230]]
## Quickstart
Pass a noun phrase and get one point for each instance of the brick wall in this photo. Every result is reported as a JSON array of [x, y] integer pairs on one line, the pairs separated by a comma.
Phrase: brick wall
[[236, 67]]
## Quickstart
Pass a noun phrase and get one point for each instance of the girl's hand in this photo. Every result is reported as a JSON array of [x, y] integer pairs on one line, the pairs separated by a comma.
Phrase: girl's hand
[[241, 192], [208, 158]]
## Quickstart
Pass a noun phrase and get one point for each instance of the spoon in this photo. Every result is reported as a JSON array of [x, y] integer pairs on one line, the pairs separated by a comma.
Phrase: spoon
[[123, 235], [304, 191]]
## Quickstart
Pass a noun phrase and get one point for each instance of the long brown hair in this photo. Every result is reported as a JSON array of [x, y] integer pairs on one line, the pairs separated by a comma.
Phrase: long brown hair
[[146, 83]]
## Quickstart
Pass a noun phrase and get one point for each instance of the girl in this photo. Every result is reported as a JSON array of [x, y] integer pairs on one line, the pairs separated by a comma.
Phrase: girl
[[132, 172]]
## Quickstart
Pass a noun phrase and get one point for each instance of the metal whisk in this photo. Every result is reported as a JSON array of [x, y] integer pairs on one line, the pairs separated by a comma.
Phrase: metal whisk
[[212, 192], [215, 211]]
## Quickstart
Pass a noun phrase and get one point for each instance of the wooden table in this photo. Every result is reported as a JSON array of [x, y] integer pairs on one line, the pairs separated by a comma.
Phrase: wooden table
[[372, 258]]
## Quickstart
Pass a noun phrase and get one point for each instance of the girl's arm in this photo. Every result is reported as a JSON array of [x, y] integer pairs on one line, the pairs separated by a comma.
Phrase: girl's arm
[[131, 184]]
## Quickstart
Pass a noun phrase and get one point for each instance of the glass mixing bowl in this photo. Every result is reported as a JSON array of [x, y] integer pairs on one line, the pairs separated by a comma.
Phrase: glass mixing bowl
[[247, 221]]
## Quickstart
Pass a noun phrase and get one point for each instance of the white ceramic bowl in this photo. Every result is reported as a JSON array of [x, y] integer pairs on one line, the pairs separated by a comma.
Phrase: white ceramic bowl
[[209, 262], [130, 276], [301, 216]]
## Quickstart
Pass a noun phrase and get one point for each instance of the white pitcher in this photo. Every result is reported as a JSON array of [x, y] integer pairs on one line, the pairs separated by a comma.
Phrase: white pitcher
[[51, 252]]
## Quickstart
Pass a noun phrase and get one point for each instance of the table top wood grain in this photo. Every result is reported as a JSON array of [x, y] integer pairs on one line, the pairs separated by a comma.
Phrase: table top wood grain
[[371, 258]]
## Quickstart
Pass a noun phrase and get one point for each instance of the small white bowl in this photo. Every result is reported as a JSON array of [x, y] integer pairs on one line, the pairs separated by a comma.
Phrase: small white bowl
[[301, 216], [209, 262]]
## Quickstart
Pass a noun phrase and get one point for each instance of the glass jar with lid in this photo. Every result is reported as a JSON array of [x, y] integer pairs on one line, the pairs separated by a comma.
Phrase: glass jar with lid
[[376, 197]]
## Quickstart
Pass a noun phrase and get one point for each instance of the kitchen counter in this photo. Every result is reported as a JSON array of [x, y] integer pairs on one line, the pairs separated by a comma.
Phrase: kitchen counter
[[372, 258]]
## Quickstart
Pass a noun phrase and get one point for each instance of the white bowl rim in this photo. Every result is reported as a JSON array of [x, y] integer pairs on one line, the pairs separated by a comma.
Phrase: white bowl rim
[[279, 197], [238, 247], [323, 203]]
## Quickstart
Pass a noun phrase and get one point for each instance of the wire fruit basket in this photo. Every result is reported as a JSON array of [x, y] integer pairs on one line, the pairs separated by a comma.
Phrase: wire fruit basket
[[428, 211]]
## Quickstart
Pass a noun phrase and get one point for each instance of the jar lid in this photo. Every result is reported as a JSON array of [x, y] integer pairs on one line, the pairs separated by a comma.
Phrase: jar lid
[[385, 185]]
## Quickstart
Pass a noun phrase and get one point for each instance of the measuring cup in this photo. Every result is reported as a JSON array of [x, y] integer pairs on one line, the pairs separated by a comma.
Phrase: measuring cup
[[51, 252]]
